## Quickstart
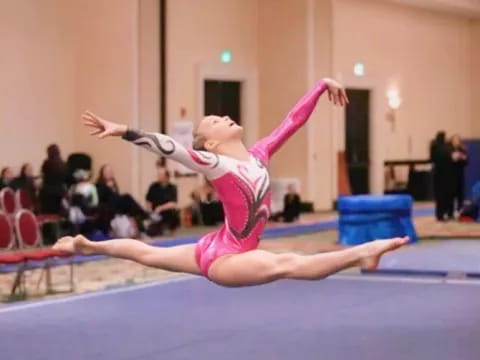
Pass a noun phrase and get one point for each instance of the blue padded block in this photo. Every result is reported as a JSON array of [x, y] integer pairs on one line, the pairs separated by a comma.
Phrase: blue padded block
[[365, 218], [472, 171]]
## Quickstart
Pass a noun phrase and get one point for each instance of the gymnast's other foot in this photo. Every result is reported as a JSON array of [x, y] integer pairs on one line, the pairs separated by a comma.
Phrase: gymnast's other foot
[[74, 245]]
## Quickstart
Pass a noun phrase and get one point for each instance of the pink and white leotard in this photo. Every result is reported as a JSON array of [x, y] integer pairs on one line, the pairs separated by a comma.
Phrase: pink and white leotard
[[243, 187]]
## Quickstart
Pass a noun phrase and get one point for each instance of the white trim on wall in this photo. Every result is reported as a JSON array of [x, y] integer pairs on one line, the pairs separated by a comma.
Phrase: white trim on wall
[[310, 64], [378, 112], [135, 181], [249, 94]]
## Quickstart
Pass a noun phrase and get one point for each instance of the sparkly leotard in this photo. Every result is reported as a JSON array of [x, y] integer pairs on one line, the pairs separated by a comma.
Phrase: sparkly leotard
[[243, 187]]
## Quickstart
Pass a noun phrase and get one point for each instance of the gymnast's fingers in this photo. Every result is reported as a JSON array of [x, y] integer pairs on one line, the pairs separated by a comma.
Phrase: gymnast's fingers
[[345, 96], [91, 124], [337, 99], [340, 96], [90, 114]]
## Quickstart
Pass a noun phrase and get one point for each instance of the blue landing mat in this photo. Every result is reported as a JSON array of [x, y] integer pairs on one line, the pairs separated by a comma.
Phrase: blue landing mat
[[439, 258], [335, 319]]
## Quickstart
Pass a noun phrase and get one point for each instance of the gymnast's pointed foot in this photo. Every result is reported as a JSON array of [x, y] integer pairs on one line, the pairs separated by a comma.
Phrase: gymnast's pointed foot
[[375, 249]]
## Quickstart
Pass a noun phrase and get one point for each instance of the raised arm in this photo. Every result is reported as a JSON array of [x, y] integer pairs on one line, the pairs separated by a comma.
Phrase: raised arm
[[201, 161], [298, 116]]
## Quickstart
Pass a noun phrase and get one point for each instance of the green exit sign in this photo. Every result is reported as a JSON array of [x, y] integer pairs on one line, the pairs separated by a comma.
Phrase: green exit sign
[[226, 56]]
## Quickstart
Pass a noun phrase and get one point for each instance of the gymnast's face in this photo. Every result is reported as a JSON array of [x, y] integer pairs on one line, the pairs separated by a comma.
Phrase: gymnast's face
[[217, 130]]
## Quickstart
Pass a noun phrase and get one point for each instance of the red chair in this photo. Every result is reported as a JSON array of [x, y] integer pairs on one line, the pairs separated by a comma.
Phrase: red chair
[[7, 239], [28, 235], [7, 201], [9, 257], [23, 200], [53, 219]]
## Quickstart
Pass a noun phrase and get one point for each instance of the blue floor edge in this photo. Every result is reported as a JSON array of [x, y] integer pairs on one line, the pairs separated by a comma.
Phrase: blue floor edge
[[271, 233], [407, 272], [413, 272]]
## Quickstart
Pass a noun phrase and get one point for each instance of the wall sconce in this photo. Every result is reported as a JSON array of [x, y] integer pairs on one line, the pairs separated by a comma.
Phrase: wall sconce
[[394, 99], [394, 102]]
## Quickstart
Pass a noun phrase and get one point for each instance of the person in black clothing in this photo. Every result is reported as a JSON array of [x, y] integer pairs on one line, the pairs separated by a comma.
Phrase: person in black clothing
[[460, 157], [206, 203], [107, 186], [443, 176], [291, 205], [112, 203], [6, 177], [162, 199], [26, 181], [53, 188]]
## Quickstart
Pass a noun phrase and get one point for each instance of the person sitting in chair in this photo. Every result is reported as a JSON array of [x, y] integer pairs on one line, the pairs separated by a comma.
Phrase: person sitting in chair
[[291, 205], [162, 200]]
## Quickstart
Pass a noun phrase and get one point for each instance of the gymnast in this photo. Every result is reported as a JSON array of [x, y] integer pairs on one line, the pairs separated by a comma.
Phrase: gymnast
[[233, 256]]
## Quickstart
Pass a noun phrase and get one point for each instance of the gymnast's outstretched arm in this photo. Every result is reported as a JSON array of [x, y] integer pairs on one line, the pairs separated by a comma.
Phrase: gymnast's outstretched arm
[[203, 162], [298, 116]]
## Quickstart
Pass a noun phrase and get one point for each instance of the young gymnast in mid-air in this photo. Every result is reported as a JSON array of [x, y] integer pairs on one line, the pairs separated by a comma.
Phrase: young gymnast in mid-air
[[233, 255]]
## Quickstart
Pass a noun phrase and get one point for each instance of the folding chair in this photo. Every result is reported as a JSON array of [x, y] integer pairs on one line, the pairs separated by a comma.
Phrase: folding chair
[[10, 257], [28, 235]]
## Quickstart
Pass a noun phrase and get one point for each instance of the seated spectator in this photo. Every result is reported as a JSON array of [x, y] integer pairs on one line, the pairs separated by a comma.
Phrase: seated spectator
[[291, 205], [123, 225], [194, 209], [6, 177], [206, 206], [27, 182], [107, 186], [162, 200], [85, 188], [53, 189], [110, 201], [78, 215]]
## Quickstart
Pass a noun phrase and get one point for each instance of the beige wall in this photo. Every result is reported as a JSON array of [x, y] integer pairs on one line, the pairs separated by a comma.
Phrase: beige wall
[[36, 77], [117, 76], [422, 53], [197, 32], [291, 60], [475, 78], [321, 127], [106, 79], [58, 59], [149, 92], [66, 56], [283, 79]]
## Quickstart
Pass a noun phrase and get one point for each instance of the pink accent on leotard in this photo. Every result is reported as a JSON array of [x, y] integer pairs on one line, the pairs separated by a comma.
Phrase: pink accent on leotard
[[243, 187]]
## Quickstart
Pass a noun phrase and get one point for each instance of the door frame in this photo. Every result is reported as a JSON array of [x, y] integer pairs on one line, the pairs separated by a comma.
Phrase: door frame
[[219, 87], [248, 93], [377, 112], [370, 143]]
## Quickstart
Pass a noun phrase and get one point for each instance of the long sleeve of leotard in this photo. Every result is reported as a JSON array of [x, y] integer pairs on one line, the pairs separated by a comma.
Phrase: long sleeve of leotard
[[295, 119], [201, 161]]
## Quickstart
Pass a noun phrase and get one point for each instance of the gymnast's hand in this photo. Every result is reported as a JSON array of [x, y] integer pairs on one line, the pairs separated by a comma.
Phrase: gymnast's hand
[[336, 92], [101, 127]]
